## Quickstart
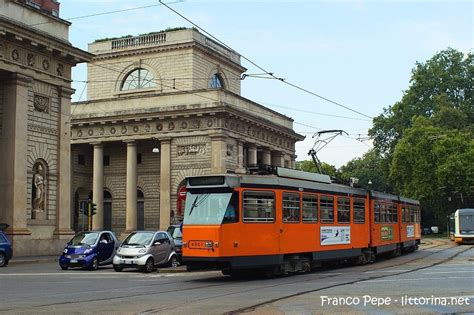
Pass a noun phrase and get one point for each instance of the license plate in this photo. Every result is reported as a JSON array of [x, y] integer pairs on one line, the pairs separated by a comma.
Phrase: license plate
[[128, 262], [73, 261]]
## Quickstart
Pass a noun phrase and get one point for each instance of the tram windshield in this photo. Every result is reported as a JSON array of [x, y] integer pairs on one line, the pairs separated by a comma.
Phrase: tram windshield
[[209, 208], [466, 224]]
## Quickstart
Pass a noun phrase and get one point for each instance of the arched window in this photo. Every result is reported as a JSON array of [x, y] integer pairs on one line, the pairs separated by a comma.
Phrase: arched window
[[216, 81], [138, 79]]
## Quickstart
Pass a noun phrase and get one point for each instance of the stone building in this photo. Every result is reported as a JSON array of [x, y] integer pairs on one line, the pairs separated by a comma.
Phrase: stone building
[[163, 106], [35, 89]]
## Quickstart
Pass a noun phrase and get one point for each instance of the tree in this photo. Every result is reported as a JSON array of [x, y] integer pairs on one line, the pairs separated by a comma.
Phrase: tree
[[446, 80], [435, 165], [370, 168], [308, 166]]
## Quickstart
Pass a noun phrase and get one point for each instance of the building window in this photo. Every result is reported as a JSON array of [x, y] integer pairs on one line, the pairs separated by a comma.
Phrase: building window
[[216, 81], [81, 160], [139, 158], [138, 79], [259, 206], [106, 160], [291, 207]]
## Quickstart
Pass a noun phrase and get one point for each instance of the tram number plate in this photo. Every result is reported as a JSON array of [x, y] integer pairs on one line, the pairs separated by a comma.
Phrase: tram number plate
[[197, 244]]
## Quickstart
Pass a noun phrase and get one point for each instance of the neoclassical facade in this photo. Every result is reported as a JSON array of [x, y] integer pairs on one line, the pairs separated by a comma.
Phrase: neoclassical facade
[[35, 103], [163, 106]]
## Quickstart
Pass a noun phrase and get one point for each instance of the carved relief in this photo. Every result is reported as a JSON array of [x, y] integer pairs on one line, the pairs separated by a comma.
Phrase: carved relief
[[30, 59], [60, 70], [192, 149], [101, 131], [41, 103], [196, 123], [79, 133], [147, 128], [45, 64], [90, 132], [136, 128], [123, 130], [159, 127], [15, 54], [184, 125], [112, 130], [171, 126]]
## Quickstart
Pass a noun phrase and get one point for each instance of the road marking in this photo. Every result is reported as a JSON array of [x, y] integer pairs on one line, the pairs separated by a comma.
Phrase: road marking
[[417, 279], [388, 271], [439, 272], [330, 274], [67, 274]]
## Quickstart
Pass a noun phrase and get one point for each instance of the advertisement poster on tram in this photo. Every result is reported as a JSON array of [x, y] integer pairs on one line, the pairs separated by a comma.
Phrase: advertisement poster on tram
[[410, 231], [333, 235], [386, 232]]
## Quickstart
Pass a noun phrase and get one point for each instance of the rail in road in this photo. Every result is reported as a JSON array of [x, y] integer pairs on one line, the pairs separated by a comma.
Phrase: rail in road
[[201, 292]]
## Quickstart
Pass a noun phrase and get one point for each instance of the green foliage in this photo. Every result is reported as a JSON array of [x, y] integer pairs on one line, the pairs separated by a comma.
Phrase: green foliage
[[446, 80], [369, 168], [308, 166]]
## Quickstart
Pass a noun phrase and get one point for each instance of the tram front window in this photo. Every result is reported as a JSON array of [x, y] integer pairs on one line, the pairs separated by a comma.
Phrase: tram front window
[[209, 208]]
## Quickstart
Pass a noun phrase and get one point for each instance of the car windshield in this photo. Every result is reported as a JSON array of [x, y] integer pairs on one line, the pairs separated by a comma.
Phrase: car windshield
[[84, 238], [139, 238], [206, 208], [175, 232]]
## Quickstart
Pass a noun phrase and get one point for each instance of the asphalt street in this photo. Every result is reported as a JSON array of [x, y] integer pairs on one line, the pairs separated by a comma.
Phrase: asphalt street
[[389, 286]]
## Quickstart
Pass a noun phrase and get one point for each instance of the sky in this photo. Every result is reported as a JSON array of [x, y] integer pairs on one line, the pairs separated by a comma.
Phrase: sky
[[357, 53]]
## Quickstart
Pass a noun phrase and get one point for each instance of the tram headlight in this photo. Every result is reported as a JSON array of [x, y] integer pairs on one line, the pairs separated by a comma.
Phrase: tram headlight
[[209, 244]]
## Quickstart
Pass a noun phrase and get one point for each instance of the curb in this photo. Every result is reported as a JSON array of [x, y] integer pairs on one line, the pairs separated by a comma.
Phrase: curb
[[32, 261]]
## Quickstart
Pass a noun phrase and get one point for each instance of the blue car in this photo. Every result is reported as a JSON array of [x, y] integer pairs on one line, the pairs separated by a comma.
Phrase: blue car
[[89, 250], [6, 251]]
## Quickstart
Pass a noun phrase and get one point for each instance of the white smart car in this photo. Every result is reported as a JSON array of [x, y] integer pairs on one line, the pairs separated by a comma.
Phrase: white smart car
[[145, 250]]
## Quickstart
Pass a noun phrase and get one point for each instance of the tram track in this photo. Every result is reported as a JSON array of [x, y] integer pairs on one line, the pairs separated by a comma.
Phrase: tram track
[[315, 276], [253, 307]]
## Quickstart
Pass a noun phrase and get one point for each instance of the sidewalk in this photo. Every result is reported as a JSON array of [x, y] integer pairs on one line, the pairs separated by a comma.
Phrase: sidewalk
[[33, 259]]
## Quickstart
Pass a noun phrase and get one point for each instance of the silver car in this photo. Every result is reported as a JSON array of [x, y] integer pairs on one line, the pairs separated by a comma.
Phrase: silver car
[[145, 250]]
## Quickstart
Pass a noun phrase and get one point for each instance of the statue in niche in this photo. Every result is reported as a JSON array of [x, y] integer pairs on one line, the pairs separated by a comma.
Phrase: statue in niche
[[39, 189]]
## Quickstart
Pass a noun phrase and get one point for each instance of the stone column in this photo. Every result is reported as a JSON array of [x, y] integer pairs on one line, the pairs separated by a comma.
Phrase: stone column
[[240, 157], [13, 169], [165, 183], [266, 156], [277, 159], [252, 155], [131, 215], [98, 187], [219, 154], [63, 208]]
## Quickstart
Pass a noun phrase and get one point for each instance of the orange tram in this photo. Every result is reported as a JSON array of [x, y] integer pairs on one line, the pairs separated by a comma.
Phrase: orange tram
[[291, 222]]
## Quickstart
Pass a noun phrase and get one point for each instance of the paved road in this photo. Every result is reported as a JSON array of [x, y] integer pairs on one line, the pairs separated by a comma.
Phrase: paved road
[[438, 268]]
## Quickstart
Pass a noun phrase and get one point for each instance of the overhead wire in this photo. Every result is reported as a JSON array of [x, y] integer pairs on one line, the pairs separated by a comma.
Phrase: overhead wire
[[108, 12], [261, 68]]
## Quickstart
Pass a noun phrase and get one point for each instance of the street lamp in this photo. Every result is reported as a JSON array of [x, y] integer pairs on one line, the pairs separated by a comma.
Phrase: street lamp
[[156, 146]]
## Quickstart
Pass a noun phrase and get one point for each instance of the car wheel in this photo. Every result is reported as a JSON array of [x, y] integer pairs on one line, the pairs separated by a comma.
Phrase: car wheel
[[94, 264], [149, 265], [174, 262], [3, 260], [118, 268]]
